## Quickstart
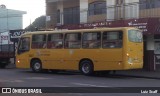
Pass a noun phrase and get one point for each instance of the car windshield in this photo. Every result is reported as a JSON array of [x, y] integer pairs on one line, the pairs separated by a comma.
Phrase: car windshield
[[135, 36]]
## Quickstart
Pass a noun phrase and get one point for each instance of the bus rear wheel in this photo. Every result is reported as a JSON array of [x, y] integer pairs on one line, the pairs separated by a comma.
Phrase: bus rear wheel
[[36, 66], [86, 67]]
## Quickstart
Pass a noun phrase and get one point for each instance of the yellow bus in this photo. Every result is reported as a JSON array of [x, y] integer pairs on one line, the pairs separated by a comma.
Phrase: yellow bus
[[86, 50]]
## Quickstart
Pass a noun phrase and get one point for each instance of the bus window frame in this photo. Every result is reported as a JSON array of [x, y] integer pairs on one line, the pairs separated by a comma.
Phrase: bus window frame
[[72, 41], [44, 45], [113, 40], [54, 41], [92, 40]]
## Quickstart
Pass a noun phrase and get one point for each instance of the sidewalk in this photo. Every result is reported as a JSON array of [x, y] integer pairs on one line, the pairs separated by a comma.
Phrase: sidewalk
[[11, 66], [140, 74]]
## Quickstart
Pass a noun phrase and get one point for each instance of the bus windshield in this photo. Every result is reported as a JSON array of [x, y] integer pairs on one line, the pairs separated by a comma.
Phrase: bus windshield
[[24, 45], [135, 36]]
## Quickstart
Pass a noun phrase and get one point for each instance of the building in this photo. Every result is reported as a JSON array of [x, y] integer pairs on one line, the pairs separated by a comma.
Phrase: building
[[143, 14], [10, 19]]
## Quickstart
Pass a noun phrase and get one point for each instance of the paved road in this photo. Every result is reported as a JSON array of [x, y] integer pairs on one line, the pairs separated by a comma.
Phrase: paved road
[[25, 78]]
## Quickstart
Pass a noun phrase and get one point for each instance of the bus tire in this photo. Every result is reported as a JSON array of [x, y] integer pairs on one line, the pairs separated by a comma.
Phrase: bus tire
[[86, 67], [36, 66]]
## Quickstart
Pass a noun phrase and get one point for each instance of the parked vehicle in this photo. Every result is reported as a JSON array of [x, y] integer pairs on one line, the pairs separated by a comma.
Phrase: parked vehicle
[[6, 49]]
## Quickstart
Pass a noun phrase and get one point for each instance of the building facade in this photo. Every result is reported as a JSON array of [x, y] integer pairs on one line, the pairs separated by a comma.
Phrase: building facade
[[143, 14], [10, 19]]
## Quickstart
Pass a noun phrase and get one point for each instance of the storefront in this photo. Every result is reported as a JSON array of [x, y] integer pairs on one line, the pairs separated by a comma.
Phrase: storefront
[[157, 52]]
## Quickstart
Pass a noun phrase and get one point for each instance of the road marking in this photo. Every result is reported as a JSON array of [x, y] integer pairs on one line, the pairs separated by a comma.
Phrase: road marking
[[61, 86], [83, 84], [39, 78], [80, 94], [12, 81]]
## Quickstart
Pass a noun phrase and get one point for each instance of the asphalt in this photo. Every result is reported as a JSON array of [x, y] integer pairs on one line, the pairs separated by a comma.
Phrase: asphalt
[[140, 73]]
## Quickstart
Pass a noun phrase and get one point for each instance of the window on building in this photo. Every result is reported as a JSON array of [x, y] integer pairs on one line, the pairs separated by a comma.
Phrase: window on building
[[149, 4], [98, 7], [38, 41], [142, 4], [55, 41], [112, 39], [119, 9], [92, 40], [119, 2], [58, 16], [72, 15], [73, 40]]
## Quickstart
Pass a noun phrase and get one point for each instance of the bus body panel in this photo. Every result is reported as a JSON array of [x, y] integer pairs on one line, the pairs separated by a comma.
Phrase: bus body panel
[[70, 58], [135, 51], [23, 61]]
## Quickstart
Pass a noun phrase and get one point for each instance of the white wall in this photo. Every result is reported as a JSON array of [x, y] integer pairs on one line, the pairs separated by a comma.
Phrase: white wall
[[10, 19], [132, 11], [83, 11], [110, 9], [10, 23]]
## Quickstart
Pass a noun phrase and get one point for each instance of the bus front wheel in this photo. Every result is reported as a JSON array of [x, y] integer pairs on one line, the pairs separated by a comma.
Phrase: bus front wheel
[[86, 67], [36, 66]]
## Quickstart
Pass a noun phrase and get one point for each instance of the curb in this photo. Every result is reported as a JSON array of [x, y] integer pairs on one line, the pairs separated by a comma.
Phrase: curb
[[137, 76]]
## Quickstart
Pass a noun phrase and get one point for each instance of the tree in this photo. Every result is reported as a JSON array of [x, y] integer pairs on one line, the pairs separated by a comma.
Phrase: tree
[[39, 23]]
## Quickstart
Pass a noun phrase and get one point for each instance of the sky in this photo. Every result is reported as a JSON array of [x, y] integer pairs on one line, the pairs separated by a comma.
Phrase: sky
[[34, 8]]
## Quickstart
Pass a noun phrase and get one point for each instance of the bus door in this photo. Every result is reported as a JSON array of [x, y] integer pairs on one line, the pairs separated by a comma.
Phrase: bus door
[[55, 45], [72, 51], [22, 58], [113, 42], [112, 52]]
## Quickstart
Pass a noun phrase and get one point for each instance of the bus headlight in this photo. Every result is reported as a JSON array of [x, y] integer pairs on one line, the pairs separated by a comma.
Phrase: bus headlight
[[130, 61], [18, 61]]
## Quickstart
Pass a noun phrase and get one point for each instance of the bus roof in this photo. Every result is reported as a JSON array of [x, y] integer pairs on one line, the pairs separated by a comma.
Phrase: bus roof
[[79, 30]]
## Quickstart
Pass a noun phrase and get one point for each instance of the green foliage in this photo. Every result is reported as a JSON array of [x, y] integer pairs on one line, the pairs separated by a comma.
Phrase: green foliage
[[39, 23]]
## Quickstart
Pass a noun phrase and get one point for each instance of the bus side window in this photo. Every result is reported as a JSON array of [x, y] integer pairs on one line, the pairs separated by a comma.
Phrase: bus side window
[[92, 40], [73, 40], [55, 41], [39, 41], [112, 39]]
